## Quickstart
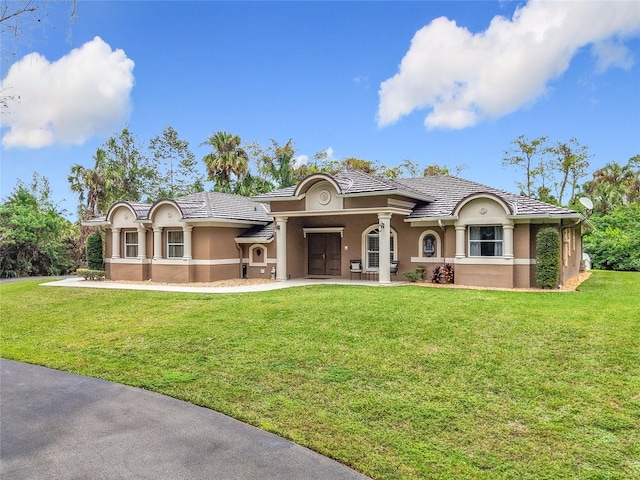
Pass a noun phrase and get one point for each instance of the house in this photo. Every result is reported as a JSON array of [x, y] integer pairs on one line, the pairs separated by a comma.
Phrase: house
[[320, 226]]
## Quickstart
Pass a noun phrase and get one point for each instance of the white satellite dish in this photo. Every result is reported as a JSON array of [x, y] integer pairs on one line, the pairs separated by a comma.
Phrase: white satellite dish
[[586, 203]]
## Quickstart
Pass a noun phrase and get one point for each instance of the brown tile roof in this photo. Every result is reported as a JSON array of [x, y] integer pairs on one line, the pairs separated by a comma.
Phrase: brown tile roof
[[222, 206]]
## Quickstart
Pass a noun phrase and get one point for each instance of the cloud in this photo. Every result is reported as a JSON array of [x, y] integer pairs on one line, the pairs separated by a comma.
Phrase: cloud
[[84, 93], [463, 78]]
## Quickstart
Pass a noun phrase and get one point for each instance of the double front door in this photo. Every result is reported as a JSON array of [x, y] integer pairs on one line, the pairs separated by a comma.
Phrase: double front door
[[324, 253]]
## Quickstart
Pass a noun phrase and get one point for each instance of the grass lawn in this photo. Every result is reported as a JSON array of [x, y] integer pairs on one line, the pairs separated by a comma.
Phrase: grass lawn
[[399, 383]]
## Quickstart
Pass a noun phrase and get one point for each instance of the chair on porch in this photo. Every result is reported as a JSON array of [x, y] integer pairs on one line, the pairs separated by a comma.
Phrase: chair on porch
[[355, 266], [395, 266]]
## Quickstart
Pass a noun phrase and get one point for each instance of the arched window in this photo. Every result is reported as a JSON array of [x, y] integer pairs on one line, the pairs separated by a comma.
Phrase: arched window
[[372, 248]]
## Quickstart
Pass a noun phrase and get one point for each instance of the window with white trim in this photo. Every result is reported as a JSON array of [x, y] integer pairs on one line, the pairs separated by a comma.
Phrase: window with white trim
[[175, 244], [485, 241], [373, 249], [130, 244]]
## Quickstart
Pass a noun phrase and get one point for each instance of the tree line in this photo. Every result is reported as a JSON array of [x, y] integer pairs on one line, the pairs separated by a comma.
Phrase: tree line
[[35, 239]]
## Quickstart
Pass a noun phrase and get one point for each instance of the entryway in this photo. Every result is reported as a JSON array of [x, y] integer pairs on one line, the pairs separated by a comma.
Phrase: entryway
[[324, 254]]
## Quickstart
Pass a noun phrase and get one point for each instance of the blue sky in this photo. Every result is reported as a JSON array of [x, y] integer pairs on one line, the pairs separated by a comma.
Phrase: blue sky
[[450, 83]]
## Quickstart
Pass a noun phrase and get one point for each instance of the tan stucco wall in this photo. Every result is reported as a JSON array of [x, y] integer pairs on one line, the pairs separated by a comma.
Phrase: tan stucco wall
[[214, 242], [484, 275], [129, 272]]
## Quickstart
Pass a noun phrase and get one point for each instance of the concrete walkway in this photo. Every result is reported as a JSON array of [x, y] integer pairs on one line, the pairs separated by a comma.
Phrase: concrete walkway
[[56, 425], [261, 287]]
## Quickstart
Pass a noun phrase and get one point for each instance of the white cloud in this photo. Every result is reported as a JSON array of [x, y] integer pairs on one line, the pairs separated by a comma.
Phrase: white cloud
[[301, 160], [463, 78], [86, 92]]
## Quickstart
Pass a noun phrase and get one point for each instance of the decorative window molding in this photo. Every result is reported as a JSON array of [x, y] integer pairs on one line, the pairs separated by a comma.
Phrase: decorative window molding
[[486, 241], [371, 247], [175, 244], [339, 230], [130, 244]]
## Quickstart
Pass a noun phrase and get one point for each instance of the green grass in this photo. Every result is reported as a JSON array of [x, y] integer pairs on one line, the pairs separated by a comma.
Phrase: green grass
[[406, 382]]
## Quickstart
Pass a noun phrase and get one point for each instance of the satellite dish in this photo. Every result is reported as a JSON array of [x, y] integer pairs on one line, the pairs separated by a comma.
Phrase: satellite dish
[[586, 203]]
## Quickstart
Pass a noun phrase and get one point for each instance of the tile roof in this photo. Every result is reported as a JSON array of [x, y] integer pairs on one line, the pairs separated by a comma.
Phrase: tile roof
[[448, 191], [264, 232], [216, 205], [354, 183]]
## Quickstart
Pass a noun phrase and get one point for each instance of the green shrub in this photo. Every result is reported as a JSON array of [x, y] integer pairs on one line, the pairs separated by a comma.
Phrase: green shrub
[[413, 275], [547, 257], [615, 242], [95, 258], [89, 274]]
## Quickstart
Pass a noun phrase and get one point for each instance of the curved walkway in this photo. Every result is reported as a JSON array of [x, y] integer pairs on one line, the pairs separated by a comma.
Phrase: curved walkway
[[64, 426]]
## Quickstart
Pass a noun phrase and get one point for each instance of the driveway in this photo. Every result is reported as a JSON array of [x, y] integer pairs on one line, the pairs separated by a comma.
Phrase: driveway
[[56, 425]]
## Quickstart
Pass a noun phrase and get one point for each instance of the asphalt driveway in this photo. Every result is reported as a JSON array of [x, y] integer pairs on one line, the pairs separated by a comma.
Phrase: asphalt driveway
[[56, 425]]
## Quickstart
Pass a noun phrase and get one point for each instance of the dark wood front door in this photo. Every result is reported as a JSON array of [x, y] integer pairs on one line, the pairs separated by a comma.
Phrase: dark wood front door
[[324, 254]]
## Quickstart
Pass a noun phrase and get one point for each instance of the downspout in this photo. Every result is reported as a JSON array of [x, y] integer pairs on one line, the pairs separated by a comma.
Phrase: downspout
[[240, 258]]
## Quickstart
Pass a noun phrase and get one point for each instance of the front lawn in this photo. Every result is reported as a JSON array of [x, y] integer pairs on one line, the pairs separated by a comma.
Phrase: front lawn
[[399, 383]]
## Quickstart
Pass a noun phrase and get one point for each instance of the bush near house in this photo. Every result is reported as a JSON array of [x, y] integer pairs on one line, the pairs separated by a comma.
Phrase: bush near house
[[548, 257], [95, 258]]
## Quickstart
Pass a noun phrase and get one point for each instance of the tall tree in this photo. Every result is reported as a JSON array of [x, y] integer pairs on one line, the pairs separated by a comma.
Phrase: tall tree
[[571, 161], [528, 155], [279, 164], [228, 161], [128, 167], [91, 185], [175, 166]]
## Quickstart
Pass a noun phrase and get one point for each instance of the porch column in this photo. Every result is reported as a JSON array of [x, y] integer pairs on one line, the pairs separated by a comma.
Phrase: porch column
[[157, 243], [142, 242], [281, 248], [384, 235], [186, 230], [507, 241], [460, 244], [115, 243]]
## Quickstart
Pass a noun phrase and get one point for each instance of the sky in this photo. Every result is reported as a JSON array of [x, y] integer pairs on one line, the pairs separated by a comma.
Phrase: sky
[[449, 83]]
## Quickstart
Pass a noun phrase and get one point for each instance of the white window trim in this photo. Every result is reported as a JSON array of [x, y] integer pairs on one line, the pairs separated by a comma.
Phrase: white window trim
[[365, 251], [469, 241], [130, 244], [174, 244]]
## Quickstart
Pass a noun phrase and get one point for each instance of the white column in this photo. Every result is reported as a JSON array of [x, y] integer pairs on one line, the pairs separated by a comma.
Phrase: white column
[[460, 243], [115, 243], [507, 241], [384, 229], [186, 230], [142, 242], [157, 243], [281, 248]]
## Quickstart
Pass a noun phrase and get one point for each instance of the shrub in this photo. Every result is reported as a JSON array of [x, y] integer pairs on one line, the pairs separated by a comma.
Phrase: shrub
[[443, 274], [547, 257], [413, 275], [95, 258], [89, 274]]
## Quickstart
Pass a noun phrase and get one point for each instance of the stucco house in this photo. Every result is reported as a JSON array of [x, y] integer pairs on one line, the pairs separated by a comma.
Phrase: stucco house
[[327, 223]]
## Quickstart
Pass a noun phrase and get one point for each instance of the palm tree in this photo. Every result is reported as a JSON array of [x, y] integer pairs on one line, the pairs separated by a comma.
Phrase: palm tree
[[91, 185], [227, 160]]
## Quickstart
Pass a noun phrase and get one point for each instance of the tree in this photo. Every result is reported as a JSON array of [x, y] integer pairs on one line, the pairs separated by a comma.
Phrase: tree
[[91, 185], [615, 242], [95, 257], [614, 185], [227, 162], [528, 155], [278, 163], [547, 257], [174, 165], [128, 168], [34, 237], [571, 161]]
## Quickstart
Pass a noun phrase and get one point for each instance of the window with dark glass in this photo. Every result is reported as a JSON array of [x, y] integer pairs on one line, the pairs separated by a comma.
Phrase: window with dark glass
[[485, 241]]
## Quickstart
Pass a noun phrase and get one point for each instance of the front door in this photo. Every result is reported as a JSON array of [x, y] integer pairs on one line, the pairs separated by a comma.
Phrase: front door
[[324, 254]]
